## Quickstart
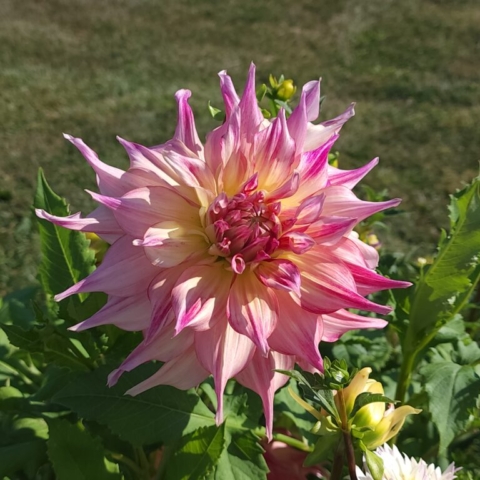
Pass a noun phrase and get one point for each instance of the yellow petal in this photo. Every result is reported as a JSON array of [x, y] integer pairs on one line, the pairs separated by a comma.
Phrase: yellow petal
[[356, 387]]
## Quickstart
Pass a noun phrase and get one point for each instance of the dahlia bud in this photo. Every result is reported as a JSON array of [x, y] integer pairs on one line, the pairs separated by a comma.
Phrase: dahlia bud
[[377, 423], [286, 90]]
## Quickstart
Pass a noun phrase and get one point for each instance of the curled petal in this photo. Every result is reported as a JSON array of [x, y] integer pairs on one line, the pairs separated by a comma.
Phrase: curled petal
[[124, 270], [101, 221], [186, 131], [230, 97], [142, 208], [298, 332], [259, 375], [337, 323], [163, 348], [251, 116], [182, 372], [128, 313], [349, 178], [369, 282], [330, 230], [199, 297], [342, 202], [252, 309], [280, 274], [224, 353], [319, 134]]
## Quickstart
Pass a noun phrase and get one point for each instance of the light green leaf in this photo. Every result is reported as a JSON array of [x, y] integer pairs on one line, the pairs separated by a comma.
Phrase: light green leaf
[[374, 464], [66, 258], [445, 287], [242, 459], [161, 414], [75, 454], [366, 398], [197, 454], [452, 390]]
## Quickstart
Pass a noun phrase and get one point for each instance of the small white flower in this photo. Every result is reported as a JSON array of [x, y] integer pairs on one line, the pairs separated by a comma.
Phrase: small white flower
[[400, 467]]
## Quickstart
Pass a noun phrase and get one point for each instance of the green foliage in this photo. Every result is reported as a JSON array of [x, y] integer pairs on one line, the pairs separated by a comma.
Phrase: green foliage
[[162, 414], [444, 287], [197, 454], [75, 454], [453, 390], [66, 258]]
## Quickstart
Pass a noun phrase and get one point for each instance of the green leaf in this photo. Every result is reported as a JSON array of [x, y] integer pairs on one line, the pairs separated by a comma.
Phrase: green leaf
[[374, 464], [446, 286], [75, 454], [197, 454], [366, 398], [216, 113], [287, 406], [161, 414], [242, 459], [22, 446], [17, 308], [66, 258], [452, 390], [323, 450]]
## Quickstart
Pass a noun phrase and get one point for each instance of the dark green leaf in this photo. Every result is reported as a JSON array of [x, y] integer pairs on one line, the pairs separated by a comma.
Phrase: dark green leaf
[[66, 258], [324, 449], [160, 414], [17, 307], [242, 459], [365, 398], [197, 454], [452, 390], [75, 454], [444, 287]]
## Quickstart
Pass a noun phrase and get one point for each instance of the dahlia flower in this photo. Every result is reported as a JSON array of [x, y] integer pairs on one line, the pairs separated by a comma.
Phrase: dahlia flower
[[400, 467], [235, 258]]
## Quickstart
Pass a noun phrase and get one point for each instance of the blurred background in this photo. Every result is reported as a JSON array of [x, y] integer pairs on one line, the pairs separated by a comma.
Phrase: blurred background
[[97, 69]]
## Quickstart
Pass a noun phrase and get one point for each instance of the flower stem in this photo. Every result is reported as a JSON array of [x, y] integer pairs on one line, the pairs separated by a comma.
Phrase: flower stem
[[405, 375], [337, 463], [347, 437], [293, 442]]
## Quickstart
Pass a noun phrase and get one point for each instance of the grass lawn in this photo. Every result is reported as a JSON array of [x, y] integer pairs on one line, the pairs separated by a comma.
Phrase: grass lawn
[[96, 69]]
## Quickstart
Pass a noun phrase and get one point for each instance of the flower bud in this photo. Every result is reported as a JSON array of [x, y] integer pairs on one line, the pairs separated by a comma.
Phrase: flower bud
[[286, 90]]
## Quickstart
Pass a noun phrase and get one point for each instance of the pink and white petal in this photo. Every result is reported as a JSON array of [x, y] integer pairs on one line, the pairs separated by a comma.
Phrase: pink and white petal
[[163, 348], [109, 179], [224, 353], [142, 208], [280, 274], [178, 248], [285, 190], [183, 372], [337, 323], [125, 270], [297, 123], [128, 313], [186, 131], [259, 375], [342, 202], [331, 230], [101, 221], [200, 295], [310, 210], [327, 286], [353, 251], [349, 178], [251, 116], [230, 97], [274, 152], [319, 134], [252, 309], [369, 281], [298, 332], [311, 90]]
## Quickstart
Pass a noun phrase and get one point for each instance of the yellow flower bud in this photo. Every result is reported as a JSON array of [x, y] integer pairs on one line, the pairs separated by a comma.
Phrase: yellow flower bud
[[286, 90]]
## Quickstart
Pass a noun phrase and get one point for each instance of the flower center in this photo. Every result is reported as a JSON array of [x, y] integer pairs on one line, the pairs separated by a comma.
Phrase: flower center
[[243, 228]]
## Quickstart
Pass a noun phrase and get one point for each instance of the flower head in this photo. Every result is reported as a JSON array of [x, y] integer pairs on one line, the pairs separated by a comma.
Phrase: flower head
[[400, 467], [235, 258]]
